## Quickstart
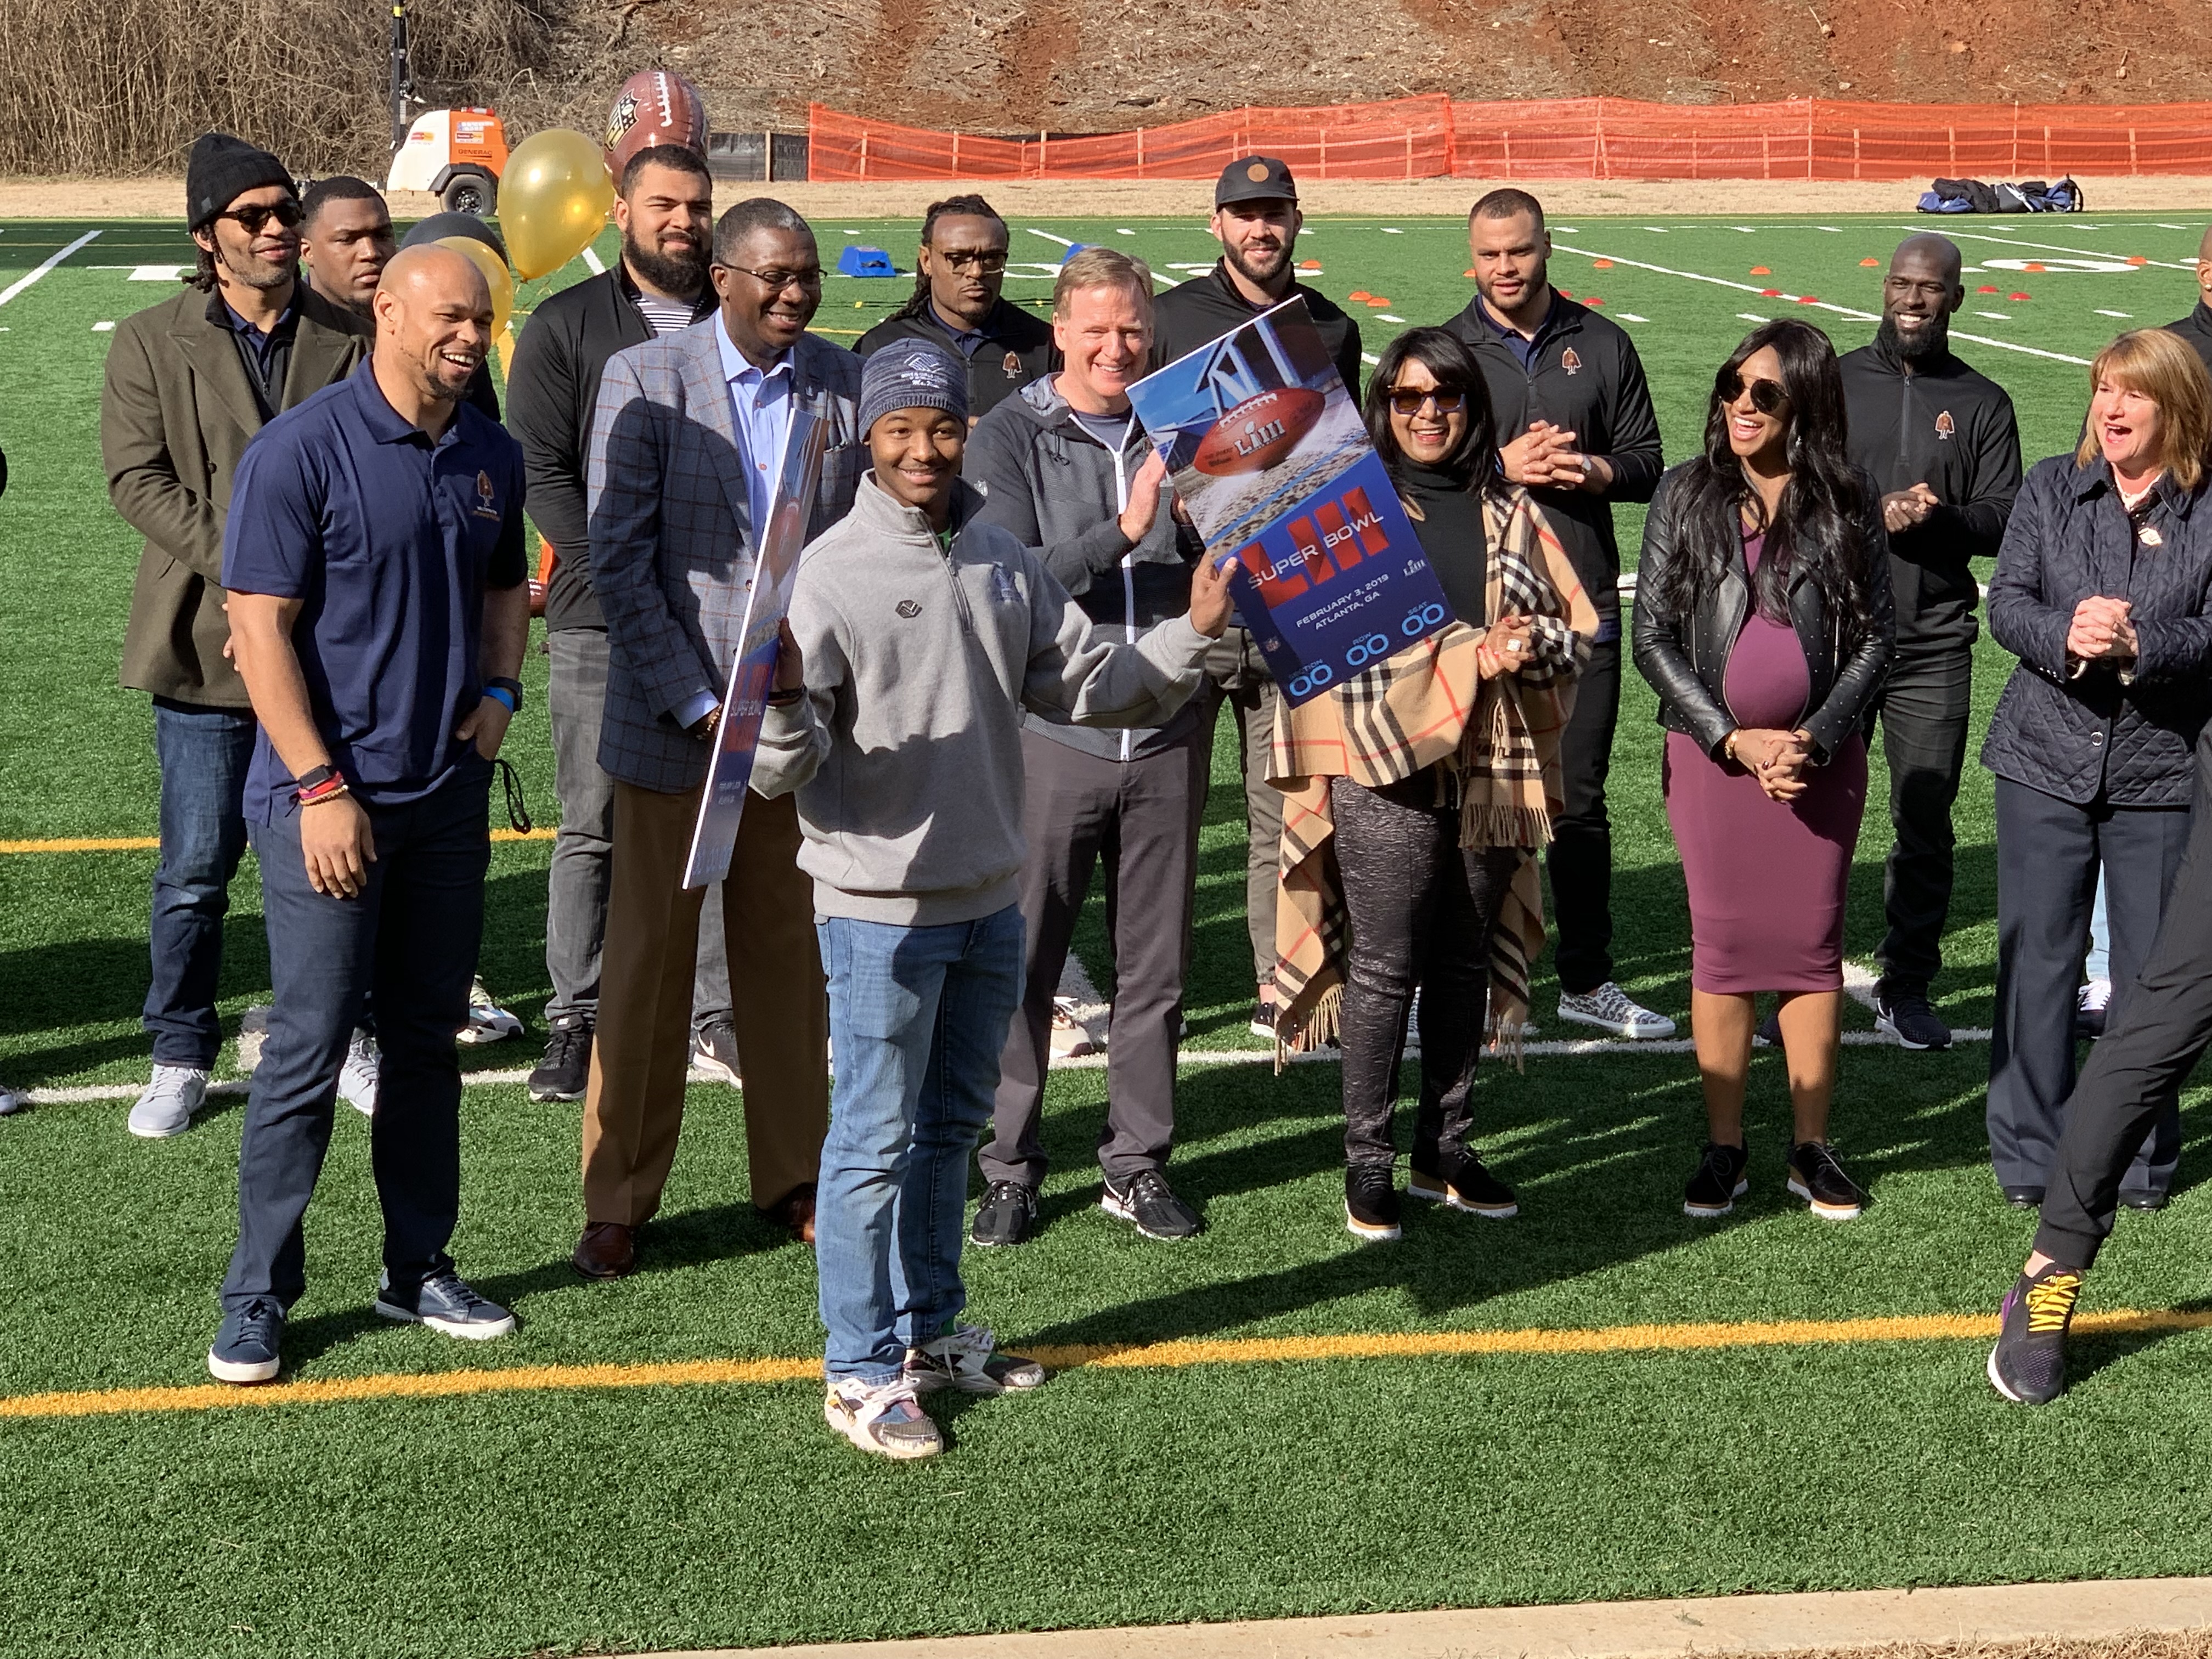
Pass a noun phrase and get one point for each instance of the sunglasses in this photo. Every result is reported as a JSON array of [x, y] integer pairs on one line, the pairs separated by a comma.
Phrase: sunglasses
[[251, 219], [989, 264], [1767, 397], [1449, 400]]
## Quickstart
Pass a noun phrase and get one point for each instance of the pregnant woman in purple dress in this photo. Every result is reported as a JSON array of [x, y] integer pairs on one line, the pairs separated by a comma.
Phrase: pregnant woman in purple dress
[[1764, 622]]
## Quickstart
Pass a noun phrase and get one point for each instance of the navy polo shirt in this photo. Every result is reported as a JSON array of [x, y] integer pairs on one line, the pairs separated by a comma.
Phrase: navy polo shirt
[[390, 541]]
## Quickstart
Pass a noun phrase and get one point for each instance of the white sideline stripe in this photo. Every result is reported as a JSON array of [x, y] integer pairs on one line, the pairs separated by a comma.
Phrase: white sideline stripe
[[2055, 247], [1064, 241], [1852, 312], [596, 266], [43, 266]]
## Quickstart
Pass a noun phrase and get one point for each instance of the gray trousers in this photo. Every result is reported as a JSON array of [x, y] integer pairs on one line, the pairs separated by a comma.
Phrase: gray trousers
[[583, 850], [1139, 819], [2048, 852]]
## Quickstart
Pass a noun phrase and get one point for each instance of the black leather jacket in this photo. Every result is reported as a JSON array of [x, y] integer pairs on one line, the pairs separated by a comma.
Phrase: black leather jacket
[[1686, 658]]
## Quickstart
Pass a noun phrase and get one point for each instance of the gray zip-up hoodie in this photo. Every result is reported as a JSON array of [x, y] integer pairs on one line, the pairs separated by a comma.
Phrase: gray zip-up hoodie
[[1061, 491], [905, 750]]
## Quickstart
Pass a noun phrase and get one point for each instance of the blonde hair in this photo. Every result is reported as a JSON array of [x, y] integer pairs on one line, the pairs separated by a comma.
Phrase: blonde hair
[[1102, 267], [2164, 369]]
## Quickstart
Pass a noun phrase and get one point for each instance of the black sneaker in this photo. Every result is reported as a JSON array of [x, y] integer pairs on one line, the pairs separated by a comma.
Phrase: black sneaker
[[248, 1343], [714, 1050], [1767, 1034], [1370, 1203], [1144, 1200], [1007, 1215], [1460, 1181], [2028, 1364], [1816, 1177], [566, 1070], [1904, 1013], [1718, 1183], [445, 1302]]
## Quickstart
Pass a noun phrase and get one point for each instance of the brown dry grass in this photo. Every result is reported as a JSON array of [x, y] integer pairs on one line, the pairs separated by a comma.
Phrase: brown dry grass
[[126, 87]]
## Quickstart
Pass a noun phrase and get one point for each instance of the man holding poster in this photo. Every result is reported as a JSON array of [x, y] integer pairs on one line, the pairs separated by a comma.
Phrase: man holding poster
[[688, 444]]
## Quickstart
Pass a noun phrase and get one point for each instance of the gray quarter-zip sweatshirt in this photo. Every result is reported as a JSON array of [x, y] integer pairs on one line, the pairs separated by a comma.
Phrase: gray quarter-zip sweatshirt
[[906, 750]]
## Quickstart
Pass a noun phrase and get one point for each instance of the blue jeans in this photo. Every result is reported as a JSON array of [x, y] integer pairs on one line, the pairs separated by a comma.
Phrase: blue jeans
[[411, 938], [917, 1018], [204, 754]]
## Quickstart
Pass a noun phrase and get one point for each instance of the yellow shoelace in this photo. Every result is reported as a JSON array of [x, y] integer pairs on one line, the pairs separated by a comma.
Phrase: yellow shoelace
[[2051, 1302]]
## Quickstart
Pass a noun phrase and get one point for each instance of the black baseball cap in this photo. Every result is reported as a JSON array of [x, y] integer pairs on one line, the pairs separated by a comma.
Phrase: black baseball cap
[[1255, 178]]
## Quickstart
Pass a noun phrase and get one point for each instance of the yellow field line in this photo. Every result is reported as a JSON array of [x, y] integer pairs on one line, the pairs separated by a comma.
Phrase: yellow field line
[[148, 843], [1155, 1356]]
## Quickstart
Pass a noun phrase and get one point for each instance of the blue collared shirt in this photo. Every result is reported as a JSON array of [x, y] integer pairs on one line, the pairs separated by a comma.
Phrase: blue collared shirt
[[390, 540], [760, 402], [1523, 347], [967, 341]]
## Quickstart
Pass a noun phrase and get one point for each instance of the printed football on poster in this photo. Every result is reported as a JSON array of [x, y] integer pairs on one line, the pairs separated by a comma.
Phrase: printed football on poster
[[1267, 450]]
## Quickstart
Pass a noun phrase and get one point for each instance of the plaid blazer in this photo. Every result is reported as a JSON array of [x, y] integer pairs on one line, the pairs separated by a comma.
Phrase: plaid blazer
[[672, 534]]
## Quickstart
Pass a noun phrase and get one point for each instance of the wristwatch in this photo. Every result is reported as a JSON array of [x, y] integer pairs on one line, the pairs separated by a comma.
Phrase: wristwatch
[[513, 690]]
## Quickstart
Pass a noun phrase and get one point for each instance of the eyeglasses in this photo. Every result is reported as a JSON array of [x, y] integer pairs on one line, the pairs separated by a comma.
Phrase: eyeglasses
[[982, 263], [1449, 400], [1767, 397], [777, 281], [251, 219]]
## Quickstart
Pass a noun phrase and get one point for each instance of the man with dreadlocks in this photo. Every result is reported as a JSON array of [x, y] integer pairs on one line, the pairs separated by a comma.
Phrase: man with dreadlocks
[[960, 269]]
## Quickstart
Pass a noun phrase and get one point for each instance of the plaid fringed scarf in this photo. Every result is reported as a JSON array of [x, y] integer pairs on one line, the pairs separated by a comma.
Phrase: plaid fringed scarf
[[1428, 704]]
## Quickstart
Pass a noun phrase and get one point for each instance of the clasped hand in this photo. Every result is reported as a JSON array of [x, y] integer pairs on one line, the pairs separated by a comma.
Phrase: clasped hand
[[1545, 458], [1777, 759], [1508, 646], [1902, 509], [2101, 627]]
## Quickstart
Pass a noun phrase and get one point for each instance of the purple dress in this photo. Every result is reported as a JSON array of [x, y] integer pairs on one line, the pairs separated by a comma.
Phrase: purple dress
[[1767, 879]]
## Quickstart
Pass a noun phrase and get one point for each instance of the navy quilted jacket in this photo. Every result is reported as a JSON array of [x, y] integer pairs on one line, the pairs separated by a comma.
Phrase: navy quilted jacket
[[2078, 734]]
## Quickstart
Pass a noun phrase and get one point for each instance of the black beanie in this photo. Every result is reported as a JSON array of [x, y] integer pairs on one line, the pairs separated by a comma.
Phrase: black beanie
[[223, 168]]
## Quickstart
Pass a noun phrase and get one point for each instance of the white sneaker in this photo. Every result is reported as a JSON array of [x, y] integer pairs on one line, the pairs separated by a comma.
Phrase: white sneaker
[[967, 1358], [357, 1081], [488, 1022], [1070, 1036], [1609, 1009], [165, 1106], [887, 1419], [11, 1100]]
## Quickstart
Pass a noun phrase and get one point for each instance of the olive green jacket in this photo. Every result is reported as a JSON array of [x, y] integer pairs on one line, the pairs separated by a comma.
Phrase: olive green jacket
[[175, 414]]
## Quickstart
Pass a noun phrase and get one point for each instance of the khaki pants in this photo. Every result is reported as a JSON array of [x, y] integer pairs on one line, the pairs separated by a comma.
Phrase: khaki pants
[[635, 1106]]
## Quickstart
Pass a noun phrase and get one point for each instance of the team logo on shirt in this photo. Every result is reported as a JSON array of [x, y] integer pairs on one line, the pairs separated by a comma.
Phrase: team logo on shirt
[[1570, 362], [1012, 366], [1945, 426], [486, 506], [908, 608]]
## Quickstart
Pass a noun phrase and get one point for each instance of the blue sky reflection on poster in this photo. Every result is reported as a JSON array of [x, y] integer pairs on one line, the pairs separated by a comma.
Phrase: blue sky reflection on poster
[[1267, 450]]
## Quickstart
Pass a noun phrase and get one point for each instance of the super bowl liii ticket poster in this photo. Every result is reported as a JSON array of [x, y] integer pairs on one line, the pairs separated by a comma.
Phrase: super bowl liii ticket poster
[[1267, 449]]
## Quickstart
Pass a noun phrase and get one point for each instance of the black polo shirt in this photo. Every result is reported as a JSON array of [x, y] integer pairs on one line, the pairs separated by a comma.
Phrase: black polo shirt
[[1200, 311], [2196, 329], [390, 539], [267, 358], [1011, 349]]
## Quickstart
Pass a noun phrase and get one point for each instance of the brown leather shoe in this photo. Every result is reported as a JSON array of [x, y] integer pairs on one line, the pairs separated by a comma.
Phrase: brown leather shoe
[[607, 1250], [794, 1212]]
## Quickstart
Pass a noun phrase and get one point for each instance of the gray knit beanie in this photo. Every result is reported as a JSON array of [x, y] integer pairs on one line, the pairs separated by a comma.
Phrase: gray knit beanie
[[912, 374]]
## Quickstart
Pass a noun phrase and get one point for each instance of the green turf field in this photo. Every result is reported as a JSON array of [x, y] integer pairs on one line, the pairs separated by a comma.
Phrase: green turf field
[[675, 1516]]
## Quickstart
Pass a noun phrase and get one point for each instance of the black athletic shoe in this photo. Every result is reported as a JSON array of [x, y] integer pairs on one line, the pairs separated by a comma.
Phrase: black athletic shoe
[[1007, 1215], [1370, 1203], [1146, 1202], [1718, 1183], [1459, 1181], [1767, 1034], [2028, 1364], [1816, 1177], [2024, 1198], [1904, 1013], [566, 1070]]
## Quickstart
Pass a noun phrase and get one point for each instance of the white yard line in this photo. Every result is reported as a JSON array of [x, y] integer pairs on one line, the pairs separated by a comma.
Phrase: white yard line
[[1852, 312], [2054, 248], [1064, 241], [43, 266], [596, 266]]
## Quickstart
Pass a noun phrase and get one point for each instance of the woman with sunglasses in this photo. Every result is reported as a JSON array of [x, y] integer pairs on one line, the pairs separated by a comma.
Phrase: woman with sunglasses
[[1433, 778], [1764, 622]]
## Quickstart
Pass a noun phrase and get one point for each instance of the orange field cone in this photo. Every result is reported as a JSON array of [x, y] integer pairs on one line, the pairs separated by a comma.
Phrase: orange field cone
[[2031, 266], [1873, 263], [1601, 264], [1770, 294], [1469, 275], [1359, 293], [1592, 301], [1760, 270], [1808, 298], [1985, 288], [2016, 296], [2137, 260]]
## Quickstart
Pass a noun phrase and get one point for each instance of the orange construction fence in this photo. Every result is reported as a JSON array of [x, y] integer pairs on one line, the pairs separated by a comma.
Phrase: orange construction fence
[[1434, 137]]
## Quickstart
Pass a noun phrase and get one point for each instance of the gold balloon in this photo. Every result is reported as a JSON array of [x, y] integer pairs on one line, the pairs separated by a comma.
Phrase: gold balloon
[[485, 258], [553, 200]]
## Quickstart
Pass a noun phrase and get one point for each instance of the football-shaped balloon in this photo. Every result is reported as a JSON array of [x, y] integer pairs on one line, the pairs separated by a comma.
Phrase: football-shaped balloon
[[654, 107], [1259, 431]]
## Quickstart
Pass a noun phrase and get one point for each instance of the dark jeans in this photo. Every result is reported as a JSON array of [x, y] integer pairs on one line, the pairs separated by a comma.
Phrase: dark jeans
[[1139, 819], [411, 938], [1421, 909], [2136, 1071], [203, 754], [2048, 852], [576, 884], [1925, 705], [1581, 856]]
